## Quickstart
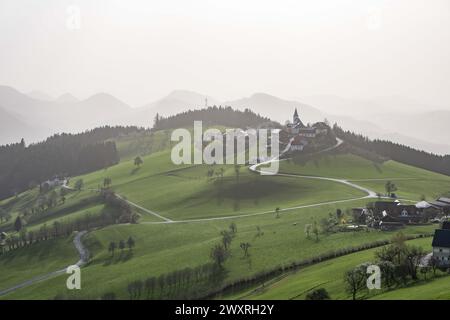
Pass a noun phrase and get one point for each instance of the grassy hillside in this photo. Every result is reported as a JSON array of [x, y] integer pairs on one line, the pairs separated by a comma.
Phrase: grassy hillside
[[330, 275], [165, 248], [23, 264], [413, 183], [186, 193], [348, 166]]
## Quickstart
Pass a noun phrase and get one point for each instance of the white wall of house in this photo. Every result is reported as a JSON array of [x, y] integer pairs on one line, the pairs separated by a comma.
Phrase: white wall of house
[[442, 254]]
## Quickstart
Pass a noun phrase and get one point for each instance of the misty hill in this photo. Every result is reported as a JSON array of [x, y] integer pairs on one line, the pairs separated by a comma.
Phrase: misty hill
[[375, 118], [66, 114], [67, 98], [38, 95], [395, 118], [430, 126], [11, 127], [175, 102], [275, 108], [224, 116]]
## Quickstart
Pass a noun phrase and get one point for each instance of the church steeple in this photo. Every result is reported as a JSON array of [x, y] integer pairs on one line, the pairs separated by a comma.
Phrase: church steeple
[[296, 120], [295, 115]]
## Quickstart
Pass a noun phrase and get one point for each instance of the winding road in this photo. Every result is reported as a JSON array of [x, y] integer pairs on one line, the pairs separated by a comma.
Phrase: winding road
[[84, 254], [84, 258], [255, 168]]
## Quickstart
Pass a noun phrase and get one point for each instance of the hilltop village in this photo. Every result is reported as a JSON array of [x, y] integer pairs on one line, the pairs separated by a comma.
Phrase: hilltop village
[[298, 137]]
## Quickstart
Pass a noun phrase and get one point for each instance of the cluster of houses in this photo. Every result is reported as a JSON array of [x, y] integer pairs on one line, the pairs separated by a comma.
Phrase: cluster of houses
[[297, 135], [388, 215], [391, 215]]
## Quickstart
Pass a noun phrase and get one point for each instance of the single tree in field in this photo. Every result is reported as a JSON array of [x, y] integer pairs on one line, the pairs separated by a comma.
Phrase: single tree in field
[[121, 245], [355, 280], [219, 254], [339, 215], [434, 263], [233, 228], [227, 237], [79, 184], [138, 161], [413, 256], [130, 243], [244, 246], [18, 224], [315, 230], [308, 230], [277, 212], [112, 248], [107, 182], [390, 188]]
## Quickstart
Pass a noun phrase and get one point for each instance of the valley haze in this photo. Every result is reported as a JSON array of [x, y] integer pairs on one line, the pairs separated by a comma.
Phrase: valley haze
[[224, 150]]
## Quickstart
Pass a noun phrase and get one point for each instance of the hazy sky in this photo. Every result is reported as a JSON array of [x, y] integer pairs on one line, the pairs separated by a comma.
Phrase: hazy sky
[[141, 50]]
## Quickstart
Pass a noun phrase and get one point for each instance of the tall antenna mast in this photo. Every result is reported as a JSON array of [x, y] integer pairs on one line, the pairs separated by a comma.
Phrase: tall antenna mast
[[206, 102]]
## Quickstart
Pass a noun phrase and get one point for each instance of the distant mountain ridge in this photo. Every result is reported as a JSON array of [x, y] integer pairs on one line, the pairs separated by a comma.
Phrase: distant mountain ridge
[[38, 119]]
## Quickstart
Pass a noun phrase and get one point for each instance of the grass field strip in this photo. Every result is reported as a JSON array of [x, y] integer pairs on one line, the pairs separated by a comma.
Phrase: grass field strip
[[84, 256]]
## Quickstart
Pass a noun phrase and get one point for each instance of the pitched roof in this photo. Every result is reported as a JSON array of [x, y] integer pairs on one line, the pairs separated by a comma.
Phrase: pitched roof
[[444, 199], [439, 204], [441, 238]]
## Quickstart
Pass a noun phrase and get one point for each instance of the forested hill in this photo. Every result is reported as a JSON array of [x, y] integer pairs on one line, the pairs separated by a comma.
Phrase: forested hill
[[64, 154], [224, 116], [397, 152]]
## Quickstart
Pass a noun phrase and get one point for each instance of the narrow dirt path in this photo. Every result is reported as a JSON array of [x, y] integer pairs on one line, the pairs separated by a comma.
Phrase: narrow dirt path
[[84, 257]]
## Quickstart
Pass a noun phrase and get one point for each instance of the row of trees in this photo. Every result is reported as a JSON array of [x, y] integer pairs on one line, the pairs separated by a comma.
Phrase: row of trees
[[188, 283], [64, 155], [225, 116], [116, 210], [326, 225], [399, 264], [221, 251], [121, 245], [397, 152]]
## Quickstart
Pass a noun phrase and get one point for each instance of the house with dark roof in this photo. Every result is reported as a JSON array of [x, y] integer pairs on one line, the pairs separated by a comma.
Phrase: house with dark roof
[[442, 204], [441, 245]]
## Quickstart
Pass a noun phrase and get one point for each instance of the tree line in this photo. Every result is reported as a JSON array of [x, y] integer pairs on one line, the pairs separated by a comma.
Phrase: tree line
[[397, 152], [225, 116], [64, 154], [116, 210], [399, 263]]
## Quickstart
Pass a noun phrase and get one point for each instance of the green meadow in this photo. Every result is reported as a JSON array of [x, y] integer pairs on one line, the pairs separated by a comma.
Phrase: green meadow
[[201, 208], [330, 276]]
